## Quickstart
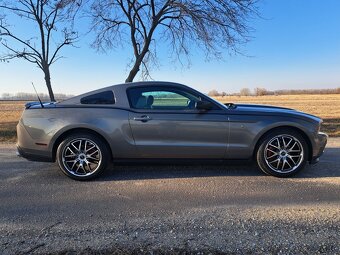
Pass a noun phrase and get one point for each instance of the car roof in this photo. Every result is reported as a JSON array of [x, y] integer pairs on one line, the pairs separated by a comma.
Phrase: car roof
[[146, 83], [119, 88]]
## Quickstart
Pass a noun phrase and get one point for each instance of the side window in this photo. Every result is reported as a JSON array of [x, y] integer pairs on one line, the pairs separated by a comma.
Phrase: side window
[[166, 99], [105, 97], [161, 99]]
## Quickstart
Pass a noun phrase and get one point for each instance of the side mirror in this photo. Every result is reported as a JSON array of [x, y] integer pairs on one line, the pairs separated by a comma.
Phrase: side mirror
[[204, 105]]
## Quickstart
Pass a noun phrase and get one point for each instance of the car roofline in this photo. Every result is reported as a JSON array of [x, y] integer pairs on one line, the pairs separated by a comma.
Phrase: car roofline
[[146, 83], [121, 86]]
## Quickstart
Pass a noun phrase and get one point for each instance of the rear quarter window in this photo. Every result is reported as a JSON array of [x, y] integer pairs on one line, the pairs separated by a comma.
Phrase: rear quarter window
[[105, 97]]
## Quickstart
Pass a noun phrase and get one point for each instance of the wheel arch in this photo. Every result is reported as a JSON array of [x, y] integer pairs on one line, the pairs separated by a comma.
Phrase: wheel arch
[[68, 132], [285, 127]]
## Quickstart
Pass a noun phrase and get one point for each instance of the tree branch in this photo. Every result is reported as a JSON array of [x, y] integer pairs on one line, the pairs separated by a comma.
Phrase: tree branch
[[213, 25], [8, 33]]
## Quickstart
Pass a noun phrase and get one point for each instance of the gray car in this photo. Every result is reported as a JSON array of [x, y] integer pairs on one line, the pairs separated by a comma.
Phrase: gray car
[[165, 121]]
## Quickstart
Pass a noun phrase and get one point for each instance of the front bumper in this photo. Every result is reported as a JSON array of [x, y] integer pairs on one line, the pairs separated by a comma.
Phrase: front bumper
[[319, 147]]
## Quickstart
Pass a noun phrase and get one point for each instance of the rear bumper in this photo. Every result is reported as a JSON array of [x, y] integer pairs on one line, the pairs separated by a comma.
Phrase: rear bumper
[[31, 149], [33, 155], [320, 144]]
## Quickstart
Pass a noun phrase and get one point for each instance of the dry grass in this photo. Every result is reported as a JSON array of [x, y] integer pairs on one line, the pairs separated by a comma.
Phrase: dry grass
[[10, 113], [324, 106]]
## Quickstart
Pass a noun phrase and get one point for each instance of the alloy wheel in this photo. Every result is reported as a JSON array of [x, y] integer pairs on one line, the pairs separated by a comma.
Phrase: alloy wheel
[[81, 157], [284, 153]]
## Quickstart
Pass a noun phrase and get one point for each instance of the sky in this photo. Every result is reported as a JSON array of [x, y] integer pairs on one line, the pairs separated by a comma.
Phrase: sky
[[295, 45]]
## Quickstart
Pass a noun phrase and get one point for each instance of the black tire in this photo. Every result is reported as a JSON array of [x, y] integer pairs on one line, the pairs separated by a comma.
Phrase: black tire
[[282, 153], [83, 156]]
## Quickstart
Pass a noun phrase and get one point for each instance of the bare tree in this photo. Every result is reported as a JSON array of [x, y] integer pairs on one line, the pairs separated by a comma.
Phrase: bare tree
[[42, 49], [260, 92], [213, 93], [213, 25], [245, 92]]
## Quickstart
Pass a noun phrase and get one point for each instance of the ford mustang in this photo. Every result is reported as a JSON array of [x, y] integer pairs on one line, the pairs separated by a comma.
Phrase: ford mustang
[[165, 121]]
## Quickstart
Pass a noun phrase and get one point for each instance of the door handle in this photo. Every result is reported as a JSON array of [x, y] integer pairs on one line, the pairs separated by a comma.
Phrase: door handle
[[143, 118]]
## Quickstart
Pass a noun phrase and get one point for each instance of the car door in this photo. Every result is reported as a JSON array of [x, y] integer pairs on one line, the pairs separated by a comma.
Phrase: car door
[[166, 124]]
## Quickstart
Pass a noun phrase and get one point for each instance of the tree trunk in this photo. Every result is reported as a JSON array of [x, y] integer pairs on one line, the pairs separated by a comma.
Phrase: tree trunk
[[139, 58], [48, 82], [134, 70]]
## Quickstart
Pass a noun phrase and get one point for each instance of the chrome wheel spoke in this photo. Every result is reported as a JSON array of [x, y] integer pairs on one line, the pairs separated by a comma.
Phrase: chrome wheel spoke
[[79, 145], [68, 161], [291, 160], [287, 146], [78, 168], [74, 163], [275, 153], [69, 156], [88, 165], [87, 150], [72, 152], [278, 163], [90, 155], [275, 160], [272, 156], [74, 147], [283, 164], [276, 147], [278, 143], [92, 160], [292, 147]]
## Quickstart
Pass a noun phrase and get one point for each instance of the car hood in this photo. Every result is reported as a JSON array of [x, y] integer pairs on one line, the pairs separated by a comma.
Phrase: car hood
[[256, 109], [262, 107]]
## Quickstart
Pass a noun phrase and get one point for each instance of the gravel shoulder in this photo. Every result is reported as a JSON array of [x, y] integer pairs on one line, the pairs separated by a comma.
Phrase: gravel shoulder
[[170, 209]]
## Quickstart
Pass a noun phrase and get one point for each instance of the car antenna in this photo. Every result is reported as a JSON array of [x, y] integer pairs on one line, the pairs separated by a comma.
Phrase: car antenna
[[42, 106]]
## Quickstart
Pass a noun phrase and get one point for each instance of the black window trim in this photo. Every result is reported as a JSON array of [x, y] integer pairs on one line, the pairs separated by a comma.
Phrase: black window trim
[[185, 89]]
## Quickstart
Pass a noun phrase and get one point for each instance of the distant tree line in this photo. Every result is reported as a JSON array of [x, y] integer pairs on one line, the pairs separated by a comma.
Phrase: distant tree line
[[264, 92], [307, 91], [23, 96]]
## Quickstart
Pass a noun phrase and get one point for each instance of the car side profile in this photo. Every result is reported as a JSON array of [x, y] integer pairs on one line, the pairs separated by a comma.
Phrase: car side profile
[[164, 120]]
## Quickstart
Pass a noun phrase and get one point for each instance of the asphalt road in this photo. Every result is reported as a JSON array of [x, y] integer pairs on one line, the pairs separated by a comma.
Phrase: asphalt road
[[169, 208]]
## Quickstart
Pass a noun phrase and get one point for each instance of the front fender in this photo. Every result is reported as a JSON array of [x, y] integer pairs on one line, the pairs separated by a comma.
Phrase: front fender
[[246, 131], [306, 130]]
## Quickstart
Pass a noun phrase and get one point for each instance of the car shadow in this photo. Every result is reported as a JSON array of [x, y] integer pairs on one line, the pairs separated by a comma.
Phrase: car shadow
[[142, 171], [329, 166]]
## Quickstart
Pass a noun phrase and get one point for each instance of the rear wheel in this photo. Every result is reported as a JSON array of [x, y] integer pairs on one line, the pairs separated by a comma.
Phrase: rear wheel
[[82, 156], [282, 153]]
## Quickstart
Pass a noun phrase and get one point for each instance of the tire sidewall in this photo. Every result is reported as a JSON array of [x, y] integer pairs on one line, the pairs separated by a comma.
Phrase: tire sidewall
[[103, 150], [263, 143]]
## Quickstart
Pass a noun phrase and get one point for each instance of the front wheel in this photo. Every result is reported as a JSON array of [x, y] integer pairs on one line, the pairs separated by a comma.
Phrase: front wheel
[[82, 156], [282, 153]]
